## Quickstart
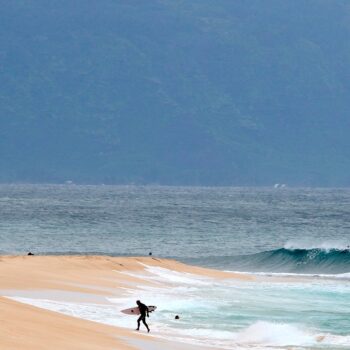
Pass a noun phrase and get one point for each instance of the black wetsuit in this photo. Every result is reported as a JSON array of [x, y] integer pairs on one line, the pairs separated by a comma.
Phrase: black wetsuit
[[143, 312]]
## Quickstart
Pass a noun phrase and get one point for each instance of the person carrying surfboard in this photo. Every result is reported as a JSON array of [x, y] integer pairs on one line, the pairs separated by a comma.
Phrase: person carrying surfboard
[[143, 312]]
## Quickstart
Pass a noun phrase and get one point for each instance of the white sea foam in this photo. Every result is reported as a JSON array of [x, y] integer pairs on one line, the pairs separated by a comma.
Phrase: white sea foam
[[335, 340], [311, 244], [107, 314], [275, 334], [340, 276], [162, 276]]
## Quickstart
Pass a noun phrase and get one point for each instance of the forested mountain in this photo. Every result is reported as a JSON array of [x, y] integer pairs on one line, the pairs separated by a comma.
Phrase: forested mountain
[[196, 92]]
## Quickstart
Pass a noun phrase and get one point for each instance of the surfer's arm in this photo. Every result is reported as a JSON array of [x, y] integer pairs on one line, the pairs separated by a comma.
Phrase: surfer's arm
[[147, 311]]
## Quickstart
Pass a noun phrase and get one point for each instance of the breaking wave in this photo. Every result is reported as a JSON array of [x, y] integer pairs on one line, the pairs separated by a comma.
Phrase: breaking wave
[[289, 260]]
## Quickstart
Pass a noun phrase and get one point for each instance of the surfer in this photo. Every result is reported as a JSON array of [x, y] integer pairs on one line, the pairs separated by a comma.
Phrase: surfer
[[143, 312]]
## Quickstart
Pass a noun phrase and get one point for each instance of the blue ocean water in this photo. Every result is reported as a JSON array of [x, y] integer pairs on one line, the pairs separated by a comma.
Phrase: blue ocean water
[[207, 224], [295, 242]]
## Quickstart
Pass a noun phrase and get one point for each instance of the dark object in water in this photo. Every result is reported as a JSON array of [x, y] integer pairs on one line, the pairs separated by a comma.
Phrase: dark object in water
[[30, 253], [177, 317], [150, 253]]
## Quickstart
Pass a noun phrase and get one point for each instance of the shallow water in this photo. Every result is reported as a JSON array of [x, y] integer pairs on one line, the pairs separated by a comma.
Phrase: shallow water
[[295, 241]]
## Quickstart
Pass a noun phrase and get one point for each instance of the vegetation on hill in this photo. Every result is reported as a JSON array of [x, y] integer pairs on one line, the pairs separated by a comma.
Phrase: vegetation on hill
[[193, 92]]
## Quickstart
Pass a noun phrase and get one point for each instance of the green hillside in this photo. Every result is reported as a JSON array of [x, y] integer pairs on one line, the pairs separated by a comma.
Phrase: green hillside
[[195, 92]]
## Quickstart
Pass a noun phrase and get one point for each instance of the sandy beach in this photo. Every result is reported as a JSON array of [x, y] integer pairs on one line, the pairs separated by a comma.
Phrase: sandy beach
[[89, 278]]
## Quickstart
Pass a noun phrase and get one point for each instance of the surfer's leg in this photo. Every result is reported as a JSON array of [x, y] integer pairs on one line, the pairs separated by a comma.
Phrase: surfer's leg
[[138, 323], [144, 322]]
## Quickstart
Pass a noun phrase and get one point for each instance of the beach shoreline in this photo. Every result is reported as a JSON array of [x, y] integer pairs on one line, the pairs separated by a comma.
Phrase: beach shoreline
[[75, 302], [90, 279]]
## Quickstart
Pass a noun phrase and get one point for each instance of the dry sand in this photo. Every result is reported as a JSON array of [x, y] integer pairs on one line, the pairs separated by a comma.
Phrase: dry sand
[[26, 327]]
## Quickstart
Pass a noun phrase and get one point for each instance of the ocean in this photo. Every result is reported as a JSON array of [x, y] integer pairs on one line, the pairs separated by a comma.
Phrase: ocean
[[295, 242]]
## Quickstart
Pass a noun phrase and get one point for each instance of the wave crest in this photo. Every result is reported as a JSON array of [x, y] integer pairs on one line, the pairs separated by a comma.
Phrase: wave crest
[[289, 260], [327, 246]]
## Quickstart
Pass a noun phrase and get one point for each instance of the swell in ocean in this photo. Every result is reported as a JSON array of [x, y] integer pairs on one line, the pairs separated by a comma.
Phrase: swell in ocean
[[286, 260]]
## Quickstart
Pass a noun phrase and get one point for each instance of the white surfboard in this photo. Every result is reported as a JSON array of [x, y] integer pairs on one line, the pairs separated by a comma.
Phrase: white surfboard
[[136, 311]]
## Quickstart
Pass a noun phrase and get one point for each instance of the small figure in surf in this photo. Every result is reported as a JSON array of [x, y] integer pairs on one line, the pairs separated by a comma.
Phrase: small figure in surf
[[143, 313]]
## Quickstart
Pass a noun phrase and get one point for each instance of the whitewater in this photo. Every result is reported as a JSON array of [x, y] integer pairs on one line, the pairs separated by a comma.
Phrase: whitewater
[[294, 242]]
